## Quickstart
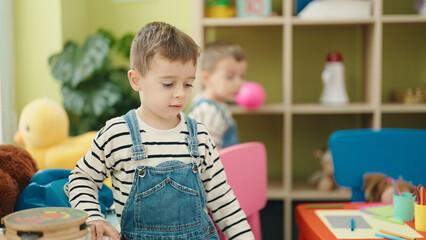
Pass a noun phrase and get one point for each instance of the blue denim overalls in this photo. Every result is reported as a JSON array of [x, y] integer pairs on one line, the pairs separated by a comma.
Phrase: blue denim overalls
[[166, 201], [230, 137]]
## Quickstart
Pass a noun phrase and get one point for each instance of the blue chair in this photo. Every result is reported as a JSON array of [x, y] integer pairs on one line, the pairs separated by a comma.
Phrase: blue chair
[[392, 152]]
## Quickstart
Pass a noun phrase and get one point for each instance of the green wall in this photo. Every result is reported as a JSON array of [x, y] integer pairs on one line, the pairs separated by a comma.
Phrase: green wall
[[43, 26], [37, 34]]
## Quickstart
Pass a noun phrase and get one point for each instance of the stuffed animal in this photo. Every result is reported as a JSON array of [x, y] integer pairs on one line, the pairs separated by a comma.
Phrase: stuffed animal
[[16, 169], [324, 179], [44, 129], [415, 95], [379, 188]]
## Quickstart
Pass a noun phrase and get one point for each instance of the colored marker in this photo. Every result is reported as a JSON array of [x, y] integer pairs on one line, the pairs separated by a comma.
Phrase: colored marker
[[417, 194], [389, 236], [352, 224], [395, 187], [389, 220], [424, 196], [395, 234]]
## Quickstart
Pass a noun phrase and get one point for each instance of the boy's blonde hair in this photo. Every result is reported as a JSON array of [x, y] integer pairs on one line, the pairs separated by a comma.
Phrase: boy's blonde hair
[[216, 51], [163, 39]]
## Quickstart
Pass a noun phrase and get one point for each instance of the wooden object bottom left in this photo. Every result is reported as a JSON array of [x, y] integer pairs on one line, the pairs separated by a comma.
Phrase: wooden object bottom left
[[50, 223]]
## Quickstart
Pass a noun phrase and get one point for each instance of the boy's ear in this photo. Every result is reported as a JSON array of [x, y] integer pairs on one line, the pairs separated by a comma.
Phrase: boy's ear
[[205, 77], [134, 78]]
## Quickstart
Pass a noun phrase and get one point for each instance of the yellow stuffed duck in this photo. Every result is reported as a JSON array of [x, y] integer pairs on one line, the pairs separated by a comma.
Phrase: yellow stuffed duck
[[44, 129]]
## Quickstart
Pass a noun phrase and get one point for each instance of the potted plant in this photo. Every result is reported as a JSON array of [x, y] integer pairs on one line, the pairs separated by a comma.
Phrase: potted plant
[[93, 89]]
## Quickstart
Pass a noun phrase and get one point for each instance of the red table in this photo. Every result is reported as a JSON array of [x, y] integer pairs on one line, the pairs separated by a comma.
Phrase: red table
[[312, 228]]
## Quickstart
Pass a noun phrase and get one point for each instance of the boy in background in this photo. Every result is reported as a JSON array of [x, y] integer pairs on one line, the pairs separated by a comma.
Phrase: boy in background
[[223, 72], [164, 169]]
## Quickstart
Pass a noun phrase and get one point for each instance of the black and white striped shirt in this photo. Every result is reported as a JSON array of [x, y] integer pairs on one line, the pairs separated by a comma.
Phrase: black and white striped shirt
[[216, 117], [110, 155]]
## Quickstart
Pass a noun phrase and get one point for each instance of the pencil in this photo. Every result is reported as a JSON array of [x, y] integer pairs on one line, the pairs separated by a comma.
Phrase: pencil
[[395, 187], [388, 236], [389, 220], [417, 194], [352, 224], [327, 205], [395, 234], [424, 196]]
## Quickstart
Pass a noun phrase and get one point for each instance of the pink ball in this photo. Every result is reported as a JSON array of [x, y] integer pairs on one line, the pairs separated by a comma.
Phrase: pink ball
[[250, 96]]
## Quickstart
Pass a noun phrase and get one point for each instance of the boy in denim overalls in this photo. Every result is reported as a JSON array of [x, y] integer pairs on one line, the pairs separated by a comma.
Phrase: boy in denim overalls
[[164, 167], [223, 71]]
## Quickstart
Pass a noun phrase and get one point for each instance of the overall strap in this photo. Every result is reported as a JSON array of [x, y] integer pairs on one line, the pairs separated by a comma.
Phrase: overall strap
[[192, 139], [138, 150]]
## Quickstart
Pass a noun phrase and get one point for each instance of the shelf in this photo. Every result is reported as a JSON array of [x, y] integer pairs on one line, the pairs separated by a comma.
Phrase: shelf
[[229, 22], [302, 191], [224, 22], [315, 108], [275, 190], [271, 108], [286, 54], [400, 19], [344, 21], [403, 108]]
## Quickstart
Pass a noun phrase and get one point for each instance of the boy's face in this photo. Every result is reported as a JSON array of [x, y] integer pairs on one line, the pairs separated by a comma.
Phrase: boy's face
[[164, 90], [224, 82]]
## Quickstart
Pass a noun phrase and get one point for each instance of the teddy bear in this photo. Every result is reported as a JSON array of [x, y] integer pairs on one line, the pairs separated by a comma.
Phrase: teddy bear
[[16, 169], [379, 188], [324, 179]]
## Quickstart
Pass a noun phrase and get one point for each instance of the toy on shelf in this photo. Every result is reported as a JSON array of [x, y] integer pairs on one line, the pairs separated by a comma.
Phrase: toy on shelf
[[253, 8], [324, 179], [379, 188], [421, 7], [219, 9], [43, 129], [333, 78], [16, 169], [409, 95], [251, 96]]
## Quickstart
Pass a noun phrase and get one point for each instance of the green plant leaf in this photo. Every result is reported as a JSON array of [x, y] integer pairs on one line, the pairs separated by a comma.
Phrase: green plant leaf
[[124, 44], [108, 36], [103, 99], [94, 90], [91, 100], [90, 58], [62, 64]]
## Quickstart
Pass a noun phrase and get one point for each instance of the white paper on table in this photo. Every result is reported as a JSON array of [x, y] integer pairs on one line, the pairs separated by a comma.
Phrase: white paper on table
[[363, 233]]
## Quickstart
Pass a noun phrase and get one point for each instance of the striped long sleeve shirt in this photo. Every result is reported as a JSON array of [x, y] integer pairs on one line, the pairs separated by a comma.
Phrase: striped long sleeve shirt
[[110, 155], [216, 117]]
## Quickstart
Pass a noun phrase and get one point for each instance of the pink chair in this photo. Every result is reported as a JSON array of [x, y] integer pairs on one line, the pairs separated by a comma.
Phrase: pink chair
[[245, 167]]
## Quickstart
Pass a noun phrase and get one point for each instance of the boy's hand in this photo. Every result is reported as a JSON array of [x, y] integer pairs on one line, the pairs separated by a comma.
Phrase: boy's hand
[[99, 228]]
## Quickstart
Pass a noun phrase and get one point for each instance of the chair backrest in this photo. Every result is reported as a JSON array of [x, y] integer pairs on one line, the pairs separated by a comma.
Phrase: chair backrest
[[245, 168], [392, 152]]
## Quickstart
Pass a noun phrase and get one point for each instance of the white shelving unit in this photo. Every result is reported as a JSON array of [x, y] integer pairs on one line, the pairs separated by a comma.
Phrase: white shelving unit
[[370, 105]]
